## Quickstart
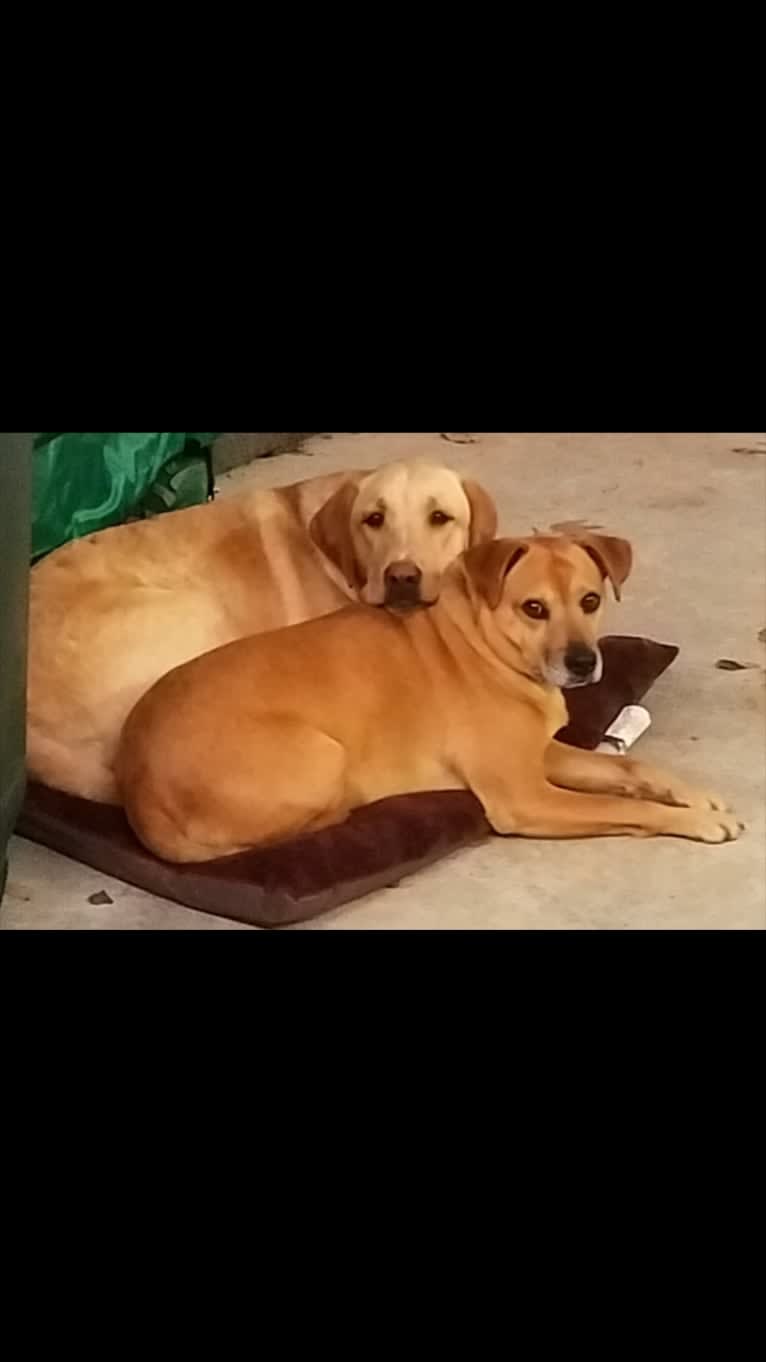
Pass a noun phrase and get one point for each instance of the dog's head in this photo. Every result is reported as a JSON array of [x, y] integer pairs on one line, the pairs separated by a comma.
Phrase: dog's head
[[394, 531], [545, 597]]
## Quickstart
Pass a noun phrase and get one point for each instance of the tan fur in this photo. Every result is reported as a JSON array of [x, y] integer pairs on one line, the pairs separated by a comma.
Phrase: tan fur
[[112, 613], [273, 736]]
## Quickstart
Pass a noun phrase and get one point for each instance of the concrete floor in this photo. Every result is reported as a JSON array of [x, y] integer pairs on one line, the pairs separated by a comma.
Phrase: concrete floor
[[693, 505]]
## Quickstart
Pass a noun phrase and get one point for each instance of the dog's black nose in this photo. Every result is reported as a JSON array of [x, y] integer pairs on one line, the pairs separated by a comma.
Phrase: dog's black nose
[[403, 574], [403, 584], [580, 660]]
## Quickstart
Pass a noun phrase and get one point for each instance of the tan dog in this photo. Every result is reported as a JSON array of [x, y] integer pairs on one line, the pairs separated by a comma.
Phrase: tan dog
[[276, 735], [112, 613]]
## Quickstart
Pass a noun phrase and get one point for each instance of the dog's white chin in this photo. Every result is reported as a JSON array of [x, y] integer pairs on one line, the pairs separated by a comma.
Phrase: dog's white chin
[[559, 676]]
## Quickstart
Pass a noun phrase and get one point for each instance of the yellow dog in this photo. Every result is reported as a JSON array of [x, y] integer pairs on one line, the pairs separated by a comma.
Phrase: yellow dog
[[112, 613]]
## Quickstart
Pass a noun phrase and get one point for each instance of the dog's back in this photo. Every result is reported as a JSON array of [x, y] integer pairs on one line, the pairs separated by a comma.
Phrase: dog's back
[[111, 613]]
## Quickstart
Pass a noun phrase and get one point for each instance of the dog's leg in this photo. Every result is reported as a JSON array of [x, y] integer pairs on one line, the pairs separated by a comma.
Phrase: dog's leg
[[83, 770], [538, 809], [277, 779], [599, 773]]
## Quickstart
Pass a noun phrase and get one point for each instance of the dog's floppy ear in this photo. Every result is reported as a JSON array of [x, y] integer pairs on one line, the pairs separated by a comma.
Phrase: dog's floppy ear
[[613, 557], [483, 513], [488, 566], [330, 530]]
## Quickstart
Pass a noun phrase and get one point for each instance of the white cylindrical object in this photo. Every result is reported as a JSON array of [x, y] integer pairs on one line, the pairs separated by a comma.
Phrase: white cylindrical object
[[626, 729]]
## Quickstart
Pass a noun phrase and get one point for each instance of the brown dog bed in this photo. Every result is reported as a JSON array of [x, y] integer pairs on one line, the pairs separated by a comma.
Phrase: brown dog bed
[[374, 848]]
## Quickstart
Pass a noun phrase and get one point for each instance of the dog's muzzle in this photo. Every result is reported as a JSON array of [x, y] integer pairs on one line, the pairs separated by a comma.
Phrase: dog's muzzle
[[403, 585], [583, 665]]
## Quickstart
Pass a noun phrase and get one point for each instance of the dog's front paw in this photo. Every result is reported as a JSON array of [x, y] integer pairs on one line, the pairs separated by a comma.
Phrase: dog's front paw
[[687, 797], [667, 790], [648, 782], [707, 826]]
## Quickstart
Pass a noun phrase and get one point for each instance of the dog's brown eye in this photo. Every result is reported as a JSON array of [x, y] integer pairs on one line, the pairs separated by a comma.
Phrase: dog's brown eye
[[590, 603], [375, 520], [535, 609], [440, 518]]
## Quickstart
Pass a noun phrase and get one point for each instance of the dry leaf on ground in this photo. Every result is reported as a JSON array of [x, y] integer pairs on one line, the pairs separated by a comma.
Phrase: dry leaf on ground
[[574, 527]]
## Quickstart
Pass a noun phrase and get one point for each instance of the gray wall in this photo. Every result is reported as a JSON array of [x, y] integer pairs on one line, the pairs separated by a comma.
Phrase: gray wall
[[231, 450]]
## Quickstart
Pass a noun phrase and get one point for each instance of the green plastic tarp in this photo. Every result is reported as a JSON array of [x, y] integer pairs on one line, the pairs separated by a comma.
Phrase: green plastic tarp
[[86, 481]]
